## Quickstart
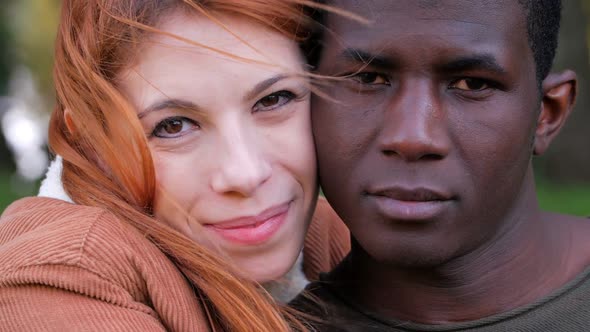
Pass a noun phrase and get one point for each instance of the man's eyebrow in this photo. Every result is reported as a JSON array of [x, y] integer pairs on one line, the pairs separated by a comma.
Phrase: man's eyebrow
[[166, 104], [364, 57], [263, 85], [473, 62]]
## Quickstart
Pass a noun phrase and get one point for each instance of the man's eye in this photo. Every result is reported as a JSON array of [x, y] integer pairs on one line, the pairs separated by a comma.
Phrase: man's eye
[[174, 127], [469, 84], [272, 101], [371, 78]]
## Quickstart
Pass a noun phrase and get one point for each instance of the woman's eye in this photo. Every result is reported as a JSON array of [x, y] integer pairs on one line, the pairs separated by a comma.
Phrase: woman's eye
[[371, 78], [174, 127], [469, 84], [273, 101]]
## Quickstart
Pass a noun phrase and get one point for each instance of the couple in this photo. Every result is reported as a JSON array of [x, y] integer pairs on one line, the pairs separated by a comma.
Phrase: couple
[[189, 166]]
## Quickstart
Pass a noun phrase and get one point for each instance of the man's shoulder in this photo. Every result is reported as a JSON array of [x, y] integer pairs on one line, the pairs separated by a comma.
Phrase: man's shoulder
[[318, 307], [323, 309], [315, 300], [574, 232], [567, 309]]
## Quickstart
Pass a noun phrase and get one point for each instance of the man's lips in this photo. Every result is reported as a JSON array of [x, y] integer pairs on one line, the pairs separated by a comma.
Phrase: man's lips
[[417, 194], [410, 204]]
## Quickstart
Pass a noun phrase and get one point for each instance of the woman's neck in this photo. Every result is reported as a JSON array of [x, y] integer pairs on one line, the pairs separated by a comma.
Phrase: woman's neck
[[290, 285]]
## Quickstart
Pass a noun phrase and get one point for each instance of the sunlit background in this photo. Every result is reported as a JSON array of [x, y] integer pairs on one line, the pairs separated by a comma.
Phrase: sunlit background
[[27, 31]]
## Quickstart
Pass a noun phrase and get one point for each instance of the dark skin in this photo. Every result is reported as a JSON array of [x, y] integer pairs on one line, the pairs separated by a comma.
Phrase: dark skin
[[427, 153]]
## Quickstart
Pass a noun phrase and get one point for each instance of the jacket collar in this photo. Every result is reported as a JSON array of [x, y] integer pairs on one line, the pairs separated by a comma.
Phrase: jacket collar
[[52, 186]]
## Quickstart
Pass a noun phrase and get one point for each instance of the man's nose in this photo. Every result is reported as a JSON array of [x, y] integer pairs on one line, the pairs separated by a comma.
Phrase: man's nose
[[414, 126]]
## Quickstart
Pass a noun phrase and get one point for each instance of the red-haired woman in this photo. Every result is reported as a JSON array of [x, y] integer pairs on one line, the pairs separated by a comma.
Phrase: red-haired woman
[[184, 129]]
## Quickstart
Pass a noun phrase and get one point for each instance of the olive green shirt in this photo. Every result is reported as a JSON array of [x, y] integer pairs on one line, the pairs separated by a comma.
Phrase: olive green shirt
[[567, 309]]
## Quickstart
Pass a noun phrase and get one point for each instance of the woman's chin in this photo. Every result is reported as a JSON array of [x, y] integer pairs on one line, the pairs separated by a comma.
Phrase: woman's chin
[[267, 275]]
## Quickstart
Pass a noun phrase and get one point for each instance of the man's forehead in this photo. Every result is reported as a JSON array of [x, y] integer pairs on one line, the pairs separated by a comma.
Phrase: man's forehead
[[373, 9], [395, 19], [430, 32]]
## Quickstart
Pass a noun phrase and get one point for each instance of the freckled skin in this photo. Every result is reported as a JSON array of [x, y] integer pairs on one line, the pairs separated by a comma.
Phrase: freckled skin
[[449, 101]]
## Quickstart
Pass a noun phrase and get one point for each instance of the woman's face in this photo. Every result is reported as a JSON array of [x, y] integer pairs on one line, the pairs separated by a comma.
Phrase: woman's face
[[231, 139]]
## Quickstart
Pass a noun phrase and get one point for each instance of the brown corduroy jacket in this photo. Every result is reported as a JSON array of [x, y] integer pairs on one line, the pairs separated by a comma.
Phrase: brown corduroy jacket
[[66, 267]]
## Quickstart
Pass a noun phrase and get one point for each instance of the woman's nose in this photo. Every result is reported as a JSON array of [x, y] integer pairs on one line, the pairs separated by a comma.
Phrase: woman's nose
[[242, 168]]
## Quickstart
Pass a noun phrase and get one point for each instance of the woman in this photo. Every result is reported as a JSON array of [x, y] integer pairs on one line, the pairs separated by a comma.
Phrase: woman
[[185, 135]]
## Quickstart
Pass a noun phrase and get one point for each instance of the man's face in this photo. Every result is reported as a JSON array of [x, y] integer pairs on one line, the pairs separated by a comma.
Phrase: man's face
[[425, 151]]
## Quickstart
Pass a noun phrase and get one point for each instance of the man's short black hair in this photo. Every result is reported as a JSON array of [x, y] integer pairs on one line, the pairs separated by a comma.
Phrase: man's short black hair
[[543, 20]]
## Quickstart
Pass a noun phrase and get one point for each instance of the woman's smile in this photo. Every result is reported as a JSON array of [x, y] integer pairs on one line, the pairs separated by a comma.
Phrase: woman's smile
[[252, 230]]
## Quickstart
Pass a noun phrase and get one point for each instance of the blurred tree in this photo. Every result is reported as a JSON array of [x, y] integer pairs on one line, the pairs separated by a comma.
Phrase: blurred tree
[[568, 159], [35, 41], [7, 55], [7, 61], [27, 34]]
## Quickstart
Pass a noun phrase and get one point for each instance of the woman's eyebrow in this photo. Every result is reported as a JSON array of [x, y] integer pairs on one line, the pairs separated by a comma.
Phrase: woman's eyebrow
[[188, 105], [263, 85], [168, 103]]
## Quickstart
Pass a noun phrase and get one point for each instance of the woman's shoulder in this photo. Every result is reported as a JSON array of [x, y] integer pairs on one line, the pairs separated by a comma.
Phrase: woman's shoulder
[[57, 227], [40, 232], [327, 241], [86, 258], [48, 222]]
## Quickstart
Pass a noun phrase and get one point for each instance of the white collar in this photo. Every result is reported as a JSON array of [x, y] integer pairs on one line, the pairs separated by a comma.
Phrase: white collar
[[290, 285], [52, 186]]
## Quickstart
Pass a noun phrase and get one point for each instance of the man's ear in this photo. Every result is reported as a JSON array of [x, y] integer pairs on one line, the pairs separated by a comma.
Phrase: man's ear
[[69, 121], [559, 94]]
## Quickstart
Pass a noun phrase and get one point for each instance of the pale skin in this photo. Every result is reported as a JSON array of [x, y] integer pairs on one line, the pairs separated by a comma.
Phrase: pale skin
[[231, 139]]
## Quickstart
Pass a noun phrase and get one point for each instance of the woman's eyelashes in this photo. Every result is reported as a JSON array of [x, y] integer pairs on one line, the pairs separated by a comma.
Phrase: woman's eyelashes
[[273, 101], [178, 126], [174, 127]]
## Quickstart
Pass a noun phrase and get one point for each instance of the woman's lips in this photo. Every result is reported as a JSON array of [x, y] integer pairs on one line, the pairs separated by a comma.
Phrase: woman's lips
[[252, 230]]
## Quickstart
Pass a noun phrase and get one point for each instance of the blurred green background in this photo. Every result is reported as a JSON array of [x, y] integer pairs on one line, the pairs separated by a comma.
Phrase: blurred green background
[[27, 31]]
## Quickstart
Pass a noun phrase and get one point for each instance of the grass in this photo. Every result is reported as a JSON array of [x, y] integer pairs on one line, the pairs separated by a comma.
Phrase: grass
[[570, 199], [11, 189]]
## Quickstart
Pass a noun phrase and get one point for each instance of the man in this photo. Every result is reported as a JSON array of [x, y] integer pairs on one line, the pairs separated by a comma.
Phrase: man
[[425, 152]]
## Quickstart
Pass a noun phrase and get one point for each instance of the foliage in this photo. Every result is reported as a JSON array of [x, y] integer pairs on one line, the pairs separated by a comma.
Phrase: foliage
[[570, 199], [6, 56], [12, 188], [34, 25]]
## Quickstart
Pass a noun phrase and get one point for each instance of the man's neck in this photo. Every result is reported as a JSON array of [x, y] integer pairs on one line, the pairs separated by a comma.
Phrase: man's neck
[[524, 265]]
